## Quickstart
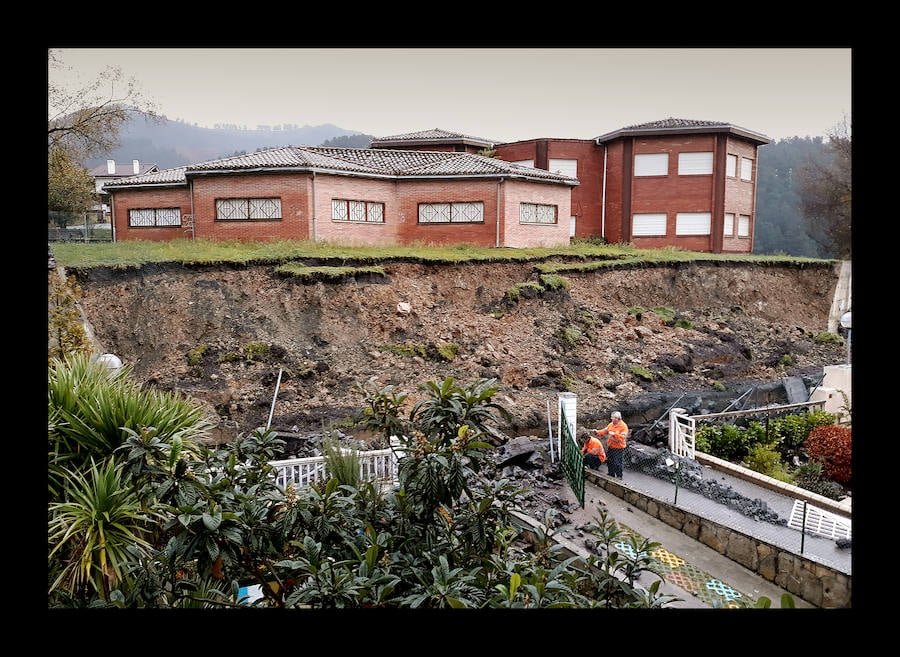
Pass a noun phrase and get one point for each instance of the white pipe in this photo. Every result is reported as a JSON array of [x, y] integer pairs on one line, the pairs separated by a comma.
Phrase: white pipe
[[274, 397], [603, 194], [550, 432]]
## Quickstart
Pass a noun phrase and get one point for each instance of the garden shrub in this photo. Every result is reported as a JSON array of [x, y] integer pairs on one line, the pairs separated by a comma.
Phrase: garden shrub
[[766, 460], [725, 442], [809, 477], [832, 445]]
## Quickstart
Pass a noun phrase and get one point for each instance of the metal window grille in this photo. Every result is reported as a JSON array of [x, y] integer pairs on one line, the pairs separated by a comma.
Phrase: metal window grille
[[444, 213], [248, 209]]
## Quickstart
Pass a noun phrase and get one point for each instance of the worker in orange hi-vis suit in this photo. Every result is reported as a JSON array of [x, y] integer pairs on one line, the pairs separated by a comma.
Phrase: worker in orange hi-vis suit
[[593, 452], [617, 432]]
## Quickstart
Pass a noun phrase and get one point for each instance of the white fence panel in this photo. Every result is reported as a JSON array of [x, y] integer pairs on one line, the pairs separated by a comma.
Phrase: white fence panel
[[377, 465], [819, 521]]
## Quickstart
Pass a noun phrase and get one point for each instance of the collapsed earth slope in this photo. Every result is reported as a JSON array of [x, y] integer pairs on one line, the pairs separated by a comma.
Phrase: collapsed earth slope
[[225, 335]]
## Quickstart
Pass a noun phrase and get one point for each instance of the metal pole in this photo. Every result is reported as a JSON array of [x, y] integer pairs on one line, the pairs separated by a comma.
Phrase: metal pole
[[803, 531], [848, 346], [550, 432], [274, 397], [677, 470]]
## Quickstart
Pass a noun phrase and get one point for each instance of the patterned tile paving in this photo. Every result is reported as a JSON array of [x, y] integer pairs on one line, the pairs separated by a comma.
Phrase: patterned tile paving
[[675, 570]]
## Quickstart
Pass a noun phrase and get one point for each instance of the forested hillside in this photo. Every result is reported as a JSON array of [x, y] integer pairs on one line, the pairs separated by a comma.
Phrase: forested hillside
[[176, 143], [779, 226]]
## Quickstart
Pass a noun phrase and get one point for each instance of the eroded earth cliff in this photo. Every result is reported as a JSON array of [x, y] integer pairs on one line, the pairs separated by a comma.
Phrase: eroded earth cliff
[[222, 334]]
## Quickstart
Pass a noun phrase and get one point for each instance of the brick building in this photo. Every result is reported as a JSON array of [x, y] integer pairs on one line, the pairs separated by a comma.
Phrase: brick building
[[676, 182], [353, 197]]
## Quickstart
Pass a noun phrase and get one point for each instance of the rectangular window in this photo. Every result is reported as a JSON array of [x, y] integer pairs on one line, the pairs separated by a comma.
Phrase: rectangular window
[[692, 223], [565, 167], [534, 213], [248, 209], [359, 211], [154, 217], [451, 213], [652, 164], [744, 225], [746, 169], [695, 164], [643, 225], [728, 231], [731, 166]]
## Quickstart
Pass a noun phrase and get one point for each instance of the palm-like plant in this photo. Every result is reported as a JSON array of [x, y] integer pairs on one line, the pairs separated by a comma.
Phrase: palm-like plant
[[92, 411], [90, 533]]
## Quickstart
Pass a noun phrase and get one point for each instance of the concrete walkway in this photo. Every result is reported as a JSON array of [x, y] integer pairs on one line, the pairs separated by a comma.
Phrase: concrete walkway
[[842, 300], [693, 572]]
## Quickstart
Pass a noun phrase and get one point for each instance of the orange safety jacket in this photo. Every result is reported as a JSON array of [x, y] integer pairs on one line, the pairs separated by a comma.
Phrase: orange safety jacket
[[594, 446], [617, 434]]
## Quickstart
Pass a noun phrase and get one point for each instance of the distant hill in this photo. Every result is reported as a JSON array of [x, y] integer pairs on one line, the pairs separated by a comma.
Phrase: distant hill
[[176, 143]]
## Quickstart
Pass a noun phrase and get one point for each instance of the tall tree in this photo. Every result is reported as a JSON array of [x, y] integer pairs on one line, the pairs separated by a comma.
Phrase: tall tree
[[70, 187], [81, 123], [86, 121], [825, 189], [780, 227]]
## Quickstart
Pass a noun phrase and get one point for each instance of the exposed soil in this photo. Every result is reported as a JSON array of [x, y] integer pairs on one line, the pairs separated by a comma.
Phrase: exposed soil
[[221, 335]]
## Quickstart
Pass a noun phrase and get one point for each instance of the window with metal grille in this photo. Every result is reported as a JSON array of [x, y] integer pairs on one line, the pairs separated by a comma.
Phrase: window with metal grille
[[248, 209], [359, 211], [153, 217], [451, 213], [534, 213]]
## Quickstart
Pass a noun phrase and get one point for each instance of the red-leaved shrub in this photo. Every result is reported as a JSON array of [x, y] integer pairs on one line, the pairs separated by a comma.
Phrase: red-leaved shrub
[[832, 445]]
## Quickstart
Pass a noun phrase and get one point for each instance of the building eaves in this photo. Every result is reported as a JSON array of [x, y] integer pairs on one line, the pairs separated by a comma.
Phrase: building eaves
[[365, 162], [432, 137], [671, 126]]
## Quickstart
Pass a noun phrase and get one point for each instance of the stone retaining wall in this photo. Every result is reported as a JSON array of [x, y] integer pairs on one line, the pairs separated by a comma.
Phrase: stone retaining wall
[[817, 584]]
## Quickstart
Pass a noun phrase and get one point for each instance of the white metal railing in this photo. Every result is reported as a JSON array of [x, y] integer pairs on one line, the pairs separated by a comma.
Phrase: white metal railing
[[819, 521], [682, 433], [378, 465]]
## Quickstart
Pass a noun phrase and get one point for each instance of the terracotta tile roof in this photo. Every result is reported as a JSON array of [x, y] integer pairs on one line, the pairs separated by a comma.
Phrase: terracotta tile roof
[[676, 126], [435, 136], [165, 177], [363, 161]]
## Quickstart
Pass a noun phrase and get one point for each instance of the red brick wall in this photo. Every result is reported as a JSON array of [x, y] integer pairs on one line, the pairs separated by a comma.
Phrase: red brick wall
[[292, 189], [401, 201], [158, 198], [614, 193], [740, 196], [520, 150], [357, 189], [673, 193], [586, 203], [410, 231], [531, 235]]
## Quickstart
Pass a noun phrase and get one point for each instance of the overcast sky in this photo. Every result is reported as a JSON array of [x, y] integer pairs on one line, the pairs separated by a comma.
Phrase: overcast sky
[[504, 94]]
